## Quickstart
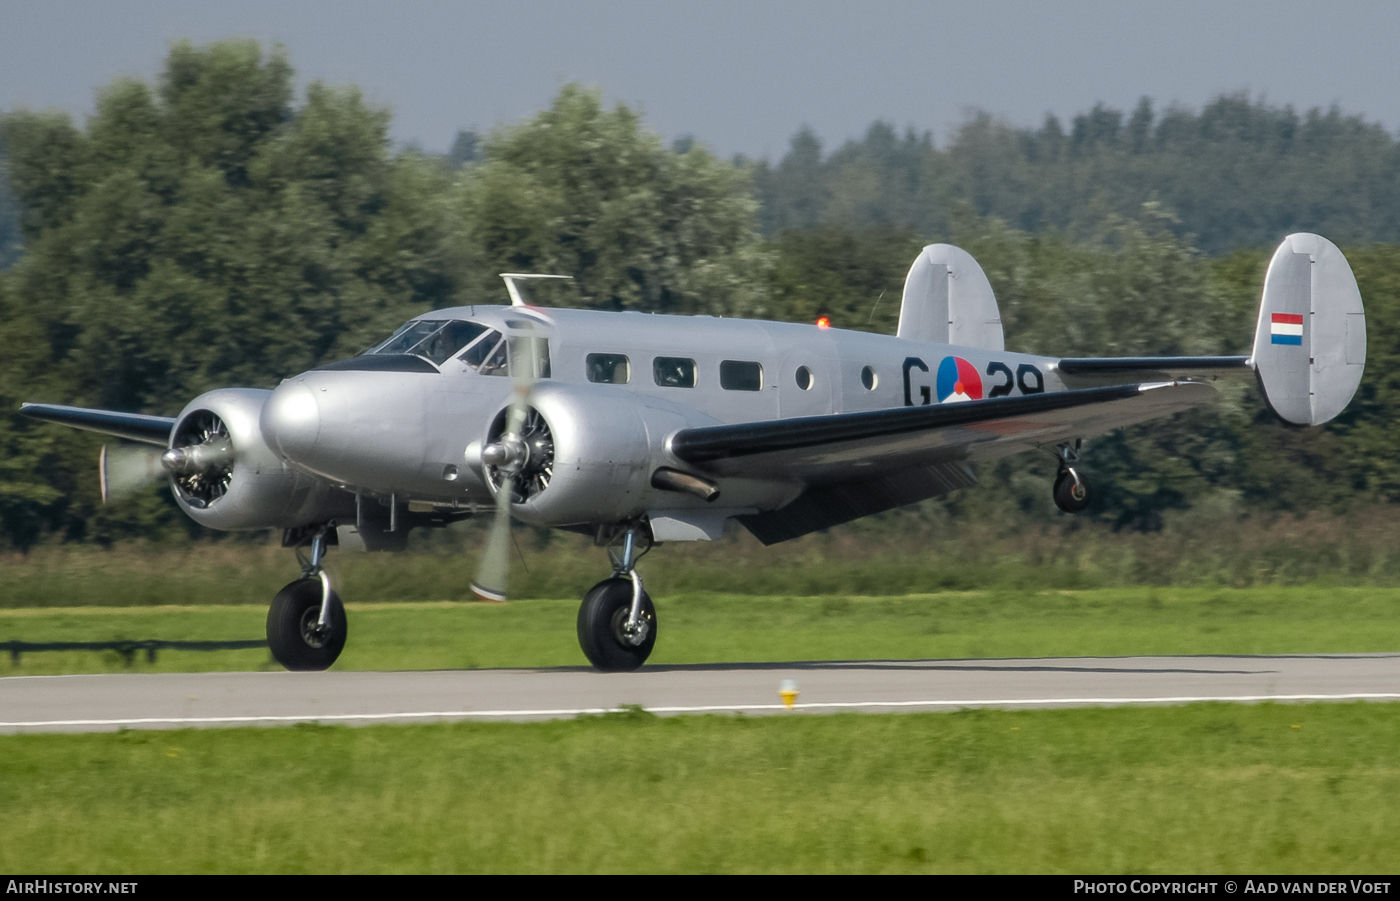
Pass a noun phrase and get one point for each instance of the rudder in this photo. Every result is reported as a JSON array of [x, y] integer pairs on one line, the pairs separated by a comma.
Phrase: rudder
[[1310, 341], [948, 300]]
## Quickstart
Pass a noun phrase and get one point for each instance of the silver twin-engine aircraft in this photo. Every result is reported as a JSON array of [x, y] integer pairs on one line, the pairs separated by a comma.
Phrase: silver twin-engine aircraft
[[636, 429]]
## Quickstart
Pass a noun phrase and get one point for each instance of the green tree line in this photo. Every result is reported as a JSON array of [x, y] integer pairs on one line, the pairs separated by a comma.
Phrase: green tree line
[[9, 216], [1239, 173], [212, 228]]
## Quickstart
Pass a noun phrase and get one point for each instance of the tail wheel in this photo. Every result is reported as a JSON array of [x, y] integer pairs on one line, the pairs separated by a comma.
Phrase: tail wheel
[[294, 633], [602, 619], [1071, 491]]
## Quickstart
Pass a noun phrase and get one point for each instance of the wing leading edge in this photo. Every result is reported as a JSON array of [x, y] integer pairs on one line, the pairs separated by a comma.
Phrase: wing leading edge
[[856, 464], [131, 426], [1196, 366]]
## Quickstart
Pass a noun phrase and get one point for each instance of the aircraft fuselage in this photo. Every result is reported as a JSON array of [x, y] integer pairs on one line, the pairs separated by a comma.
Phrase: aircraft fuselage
[[404, 433]]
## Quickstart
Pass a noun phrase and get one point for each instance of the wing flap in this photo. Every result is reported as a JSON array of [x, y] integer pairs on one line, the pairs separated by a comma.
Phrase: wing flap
[[131, 426]]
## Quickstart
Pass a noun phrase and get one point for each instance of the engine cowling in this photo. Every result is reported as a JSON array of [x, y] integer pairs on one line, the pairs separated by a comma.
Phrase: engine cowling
[[239, 483], [587, 457]]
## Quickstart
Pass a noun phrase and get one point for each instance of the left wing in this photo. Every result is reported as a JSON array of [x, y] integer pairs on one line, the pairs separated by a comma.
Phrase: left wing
[[131, 426], [834, 448], [856, 464]]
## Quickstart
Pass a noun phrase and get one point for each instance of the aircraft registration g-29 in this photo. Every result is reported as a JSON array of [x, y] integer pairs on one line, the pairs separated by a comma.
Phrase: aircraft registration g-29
[[635, 428]]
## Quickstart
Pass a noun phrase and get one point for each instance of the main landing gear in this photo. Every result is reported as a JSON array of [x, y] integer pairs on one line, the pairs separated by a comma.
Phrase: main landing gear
[[306, 623], [617, 622], [1071, 488]]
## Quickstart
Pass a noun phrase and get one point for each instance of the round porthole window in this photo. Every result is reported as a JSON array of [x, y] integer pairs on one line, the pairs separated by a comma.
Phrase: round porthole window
[[869, 379], [804, 378]]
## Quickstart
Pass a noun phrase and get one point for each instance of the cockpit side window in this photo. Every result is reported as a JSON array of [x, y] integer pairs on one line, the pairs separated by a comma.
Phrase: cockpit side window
[[441, 346], [488, 355]]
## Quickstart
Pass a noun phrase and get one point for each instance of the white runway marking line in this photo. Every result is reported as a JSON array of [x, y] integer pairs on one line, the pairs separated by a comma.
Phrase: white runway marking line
[[708, 708]]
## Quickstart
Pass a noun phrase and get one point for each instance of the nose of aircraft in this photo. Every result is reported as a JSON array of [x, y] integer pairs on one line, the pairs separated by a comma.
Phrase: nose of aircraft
[[291, 419]]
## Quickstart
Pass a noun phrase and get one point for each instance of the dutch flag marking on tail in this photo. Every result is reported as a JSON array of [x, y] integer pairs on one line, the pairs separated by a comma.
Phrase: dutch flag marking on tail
[[1286, 328]]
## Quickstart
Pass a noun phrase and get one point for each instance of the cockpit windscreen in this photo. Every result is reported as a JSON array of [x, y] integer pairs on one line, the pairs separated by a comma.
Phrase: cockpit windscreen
[[433, 339]]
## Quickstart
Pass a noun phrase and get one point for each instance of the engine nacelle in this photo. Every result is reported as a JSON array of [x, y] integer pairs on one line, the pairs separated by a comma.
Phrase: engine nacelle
[[599, 457], [254, 490]]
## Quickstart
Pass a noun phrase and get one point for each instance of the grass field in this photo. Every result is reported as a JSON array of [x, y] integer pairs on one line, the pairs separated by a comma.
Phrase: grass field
[[1204, 788], [906, 552], [710, 628]]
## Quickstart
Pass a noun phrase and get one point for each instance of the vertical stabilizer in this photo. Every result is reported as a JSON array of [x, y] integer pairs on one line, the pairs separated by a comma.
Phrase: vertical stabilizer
[[1310, 343], [948, 299]]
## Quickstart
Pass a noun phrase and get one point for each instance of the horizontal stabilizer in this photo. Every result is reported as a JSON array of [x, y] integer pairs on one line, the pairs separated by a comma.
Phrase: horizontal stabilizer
[[1310, 343], [131, 426]]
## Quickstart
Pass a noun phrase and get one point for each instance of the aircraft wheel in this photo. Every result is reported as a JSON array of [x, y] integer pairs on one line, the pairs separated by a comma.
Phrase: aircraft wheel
[[1071, 493], [602, 619], [292, 631]]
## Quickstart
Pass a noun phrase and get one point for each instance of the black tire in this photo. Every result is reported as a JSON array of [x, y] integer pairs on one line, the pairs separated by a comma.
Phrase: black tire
[[291, 635], [1071, 496], [600, 620]]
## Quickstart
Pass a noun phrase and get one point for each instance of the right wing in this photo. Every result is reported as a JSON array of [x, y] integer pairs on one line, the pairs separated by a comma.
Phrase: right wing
[[131, 426], [856, 464]]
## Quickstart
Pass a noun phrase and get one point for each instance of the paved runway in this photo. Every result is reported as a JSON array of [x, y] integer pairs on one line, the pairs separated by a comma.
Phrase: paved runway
[[165, 701]]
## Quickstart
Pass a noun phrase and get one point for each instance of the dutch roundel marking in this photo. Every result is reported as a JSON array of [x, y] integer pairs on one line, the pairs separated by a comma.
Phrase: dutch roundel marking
[[958, 381], [1286, 328]]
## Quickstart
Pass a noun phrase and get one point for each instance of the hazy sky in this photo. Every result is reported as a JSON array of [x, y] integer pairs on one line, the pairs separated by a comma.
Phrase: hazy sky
[[741, 76]]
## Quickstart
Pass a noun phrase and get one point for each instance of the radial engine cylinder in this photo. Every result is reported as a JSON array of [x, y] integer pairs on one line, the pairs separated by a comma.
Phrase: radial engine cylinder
[[599, 457], [246, 487]]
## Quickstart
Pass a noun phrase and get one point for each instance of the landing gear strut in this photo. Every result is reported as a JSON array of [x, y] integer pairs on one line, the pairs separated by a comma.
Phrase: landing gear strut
[[617, 622], [1071, 488], [306, 625]]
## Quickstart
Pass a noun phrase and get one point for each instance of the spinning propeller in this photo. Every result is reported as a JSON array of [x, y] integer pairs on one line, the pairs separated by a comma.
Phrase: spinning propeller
[[201, 462], [518, 462], [124, 469]]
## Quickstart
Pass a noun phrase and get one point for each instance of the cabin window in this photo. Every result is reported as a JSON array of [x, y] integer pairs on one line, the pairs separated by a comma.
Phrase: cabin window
[[609, 369], [804, 378], [673, 372], [735, 375], [869, 379]]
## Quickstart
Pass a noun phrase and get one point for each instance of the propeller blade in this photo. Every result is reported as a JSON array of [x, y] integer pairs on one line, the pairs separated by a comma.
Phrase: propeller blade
[[490, 584], [510, 453], [124, 469]]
